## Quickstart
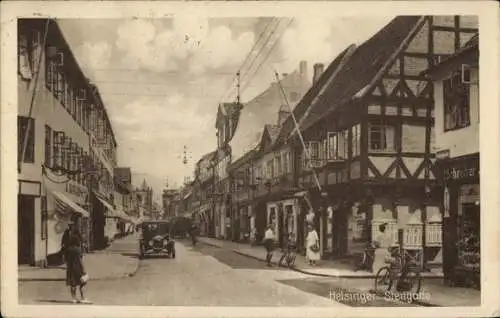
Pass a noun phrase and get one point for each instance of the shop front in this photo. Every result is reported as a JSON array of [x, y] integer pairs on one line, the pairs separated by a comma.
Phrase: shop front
[[461, 211], [283, 216]]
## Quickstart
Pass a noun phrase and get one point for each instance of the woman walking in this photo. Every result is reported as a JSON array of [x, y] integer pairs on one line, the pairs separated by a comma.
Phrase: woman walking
[[75, 272], [312, 252]]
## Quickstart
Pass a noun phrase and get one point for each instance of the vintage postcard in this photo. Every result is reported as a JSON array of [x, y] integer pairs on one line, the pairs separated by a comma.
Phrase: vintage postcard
[[250, 159]]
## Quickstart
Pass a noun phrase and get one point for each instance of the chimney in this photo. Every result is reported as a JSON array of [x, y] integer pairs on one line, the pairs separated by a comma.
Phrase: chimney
[[283, 114], [303, 68], [318, 71]]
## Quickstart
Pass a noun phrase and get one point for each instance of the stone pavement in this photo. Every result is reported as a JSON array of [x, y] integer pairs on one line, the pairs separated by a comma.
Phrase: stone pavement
[[326, 268], [117, 261], [436, 292]]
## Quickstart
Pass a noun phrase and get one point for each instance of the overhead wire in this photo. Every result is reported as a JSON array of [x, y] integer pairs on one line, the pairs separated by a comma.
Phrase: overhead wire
[[230, 89], [267, 55]]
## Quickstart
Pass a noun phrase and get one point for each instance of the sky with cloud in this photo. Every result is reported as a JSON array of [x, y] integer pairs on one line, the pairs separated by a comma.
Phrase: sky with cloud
[[162, 79]]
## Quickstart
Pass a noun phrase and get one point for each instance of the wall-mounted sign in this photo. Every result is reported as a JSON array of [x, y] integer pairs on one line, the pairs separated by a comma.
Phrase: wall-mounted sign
[[465, 168]]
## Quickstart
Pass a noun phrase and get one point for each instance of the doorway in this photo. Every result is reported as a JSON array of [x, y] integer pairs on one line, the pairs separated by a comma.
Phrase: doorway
[[25, 230]]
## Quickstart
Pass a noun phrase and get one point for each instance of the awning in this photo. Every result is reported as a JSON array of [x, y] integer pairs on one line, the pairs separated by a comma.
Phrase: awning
[[111, 211], [69, 203]]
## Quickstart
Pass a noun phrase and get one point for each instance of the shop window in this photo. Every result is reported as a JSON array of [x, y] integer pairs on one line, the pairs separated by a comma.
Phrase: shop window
[[26, 125], [382, 137], [469, 236], [356, 140], [456, 103]]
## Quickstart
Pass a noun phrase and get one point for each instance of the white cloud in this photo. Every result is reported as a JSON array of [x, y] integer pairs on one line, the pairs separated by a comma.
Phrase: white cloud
[[94, 55], [190, 40], [320, 39]]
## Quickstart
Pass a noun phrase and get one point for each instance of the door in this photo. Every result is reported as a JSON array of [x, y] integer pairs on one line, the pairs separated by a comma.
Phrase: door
[[339, 229], [26, 229]]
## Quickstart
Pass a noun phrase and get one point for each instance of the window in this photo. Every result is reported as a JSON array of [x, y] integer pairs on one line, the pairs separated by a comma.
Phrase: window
[[278, 165], [270, 169], [61, 87], [43, 204], [24, 54], [332, 146], [286, 164], [342, 144], [50, 75], [382, 137], [456, 103], [48, 146], [356, 140], [314, 150], [23, 125]]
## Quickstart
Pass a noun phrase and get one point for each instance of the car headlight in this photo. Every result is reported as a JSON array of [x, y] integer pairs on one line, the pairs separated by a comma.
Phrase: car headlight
[[150, 243]]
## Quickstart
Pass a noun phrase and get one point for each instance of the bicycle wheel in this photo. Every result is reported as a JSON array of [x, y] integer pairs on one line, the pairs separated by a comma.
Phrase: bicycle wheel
[[413, 282], [291, 261], [282, 259], [383, 279]]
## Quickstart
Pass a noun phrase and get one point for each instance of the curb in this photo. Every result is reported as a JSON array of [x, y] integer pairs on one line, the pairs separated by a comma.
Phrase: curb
[[303, 271], [131, 273]]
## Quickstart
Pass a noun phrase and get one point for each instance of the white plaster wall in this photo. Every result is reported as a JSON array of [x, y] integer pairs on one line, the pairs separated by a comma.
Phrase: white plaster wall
[[462, 141]]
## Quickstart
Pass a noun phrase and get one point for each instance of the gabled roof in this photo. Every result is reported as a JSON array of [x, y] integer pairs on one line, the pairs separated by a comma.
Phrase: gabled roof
[[263, 110], [304, 103], [365, 66]]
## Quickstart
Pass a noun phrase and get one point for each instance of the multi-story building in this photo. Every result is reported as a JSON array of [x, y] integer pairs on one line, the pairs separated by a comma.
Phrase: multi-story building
[[456, 97], [226, 123], [370, 140], [202, 204], [123, 198], [259, 124], [61, 118]]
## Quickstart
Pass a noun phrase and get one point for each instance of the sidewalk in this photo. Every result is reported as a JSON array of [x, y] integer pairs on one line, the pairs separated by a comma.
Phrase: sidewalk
[[434, 292], [116, 261], [324, 268]]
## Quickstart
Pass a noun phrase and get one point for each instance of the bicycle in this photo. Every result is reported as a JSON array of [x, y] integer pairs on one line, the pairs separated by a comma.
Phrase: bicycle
[[404, 272], [288, 256]]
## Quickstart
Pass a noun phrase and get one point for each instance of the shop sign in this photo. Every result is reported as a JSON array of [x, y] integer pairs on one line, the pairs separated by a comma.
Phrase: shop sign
[[467, 168]]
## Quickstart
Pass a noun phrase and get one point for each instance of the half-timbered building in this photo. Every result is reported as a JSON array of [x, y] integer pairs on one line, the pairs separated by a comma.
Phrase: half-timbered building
[[370, 139]]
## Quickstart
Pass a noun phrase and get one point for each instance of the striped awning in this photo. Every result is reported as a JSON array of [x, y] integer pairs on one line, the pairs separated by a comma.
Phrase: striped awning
[[65, 202]]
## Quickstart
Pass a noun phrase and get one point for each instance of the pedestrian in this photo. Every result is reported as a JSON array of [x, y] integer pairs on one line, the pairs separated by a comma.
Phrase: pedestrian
[[312, 240], [75, 272], [269, 244], [382, 243]]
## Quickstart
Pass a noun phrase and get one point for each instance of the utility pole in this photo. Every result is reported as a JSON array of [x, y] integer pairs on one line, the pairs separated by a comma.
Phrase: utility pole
[[238, 85]]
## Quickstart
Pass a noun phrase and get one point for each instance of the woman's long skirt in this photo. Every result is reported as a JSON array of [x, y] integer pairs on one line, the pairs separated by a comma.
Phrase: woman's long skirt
[[74, 268]]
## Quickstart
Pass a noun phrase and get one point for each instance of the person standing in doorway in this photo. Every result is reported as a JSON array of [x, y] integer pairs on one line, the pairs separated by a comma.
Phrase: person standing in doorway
[[269, 244], [382, 243], [312, 240]]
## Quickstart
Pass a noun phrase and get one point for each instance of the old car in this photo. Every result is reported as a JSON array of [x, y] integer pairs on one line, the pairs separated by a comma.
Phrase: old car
[[156, 239]]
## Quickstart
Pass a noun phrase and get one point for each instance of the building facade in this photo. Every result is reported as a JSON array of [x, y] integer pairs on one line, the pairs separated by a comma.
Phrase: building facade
[[260, 121], [60, 162], [370, 145], [456, 95], [143, 197]]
